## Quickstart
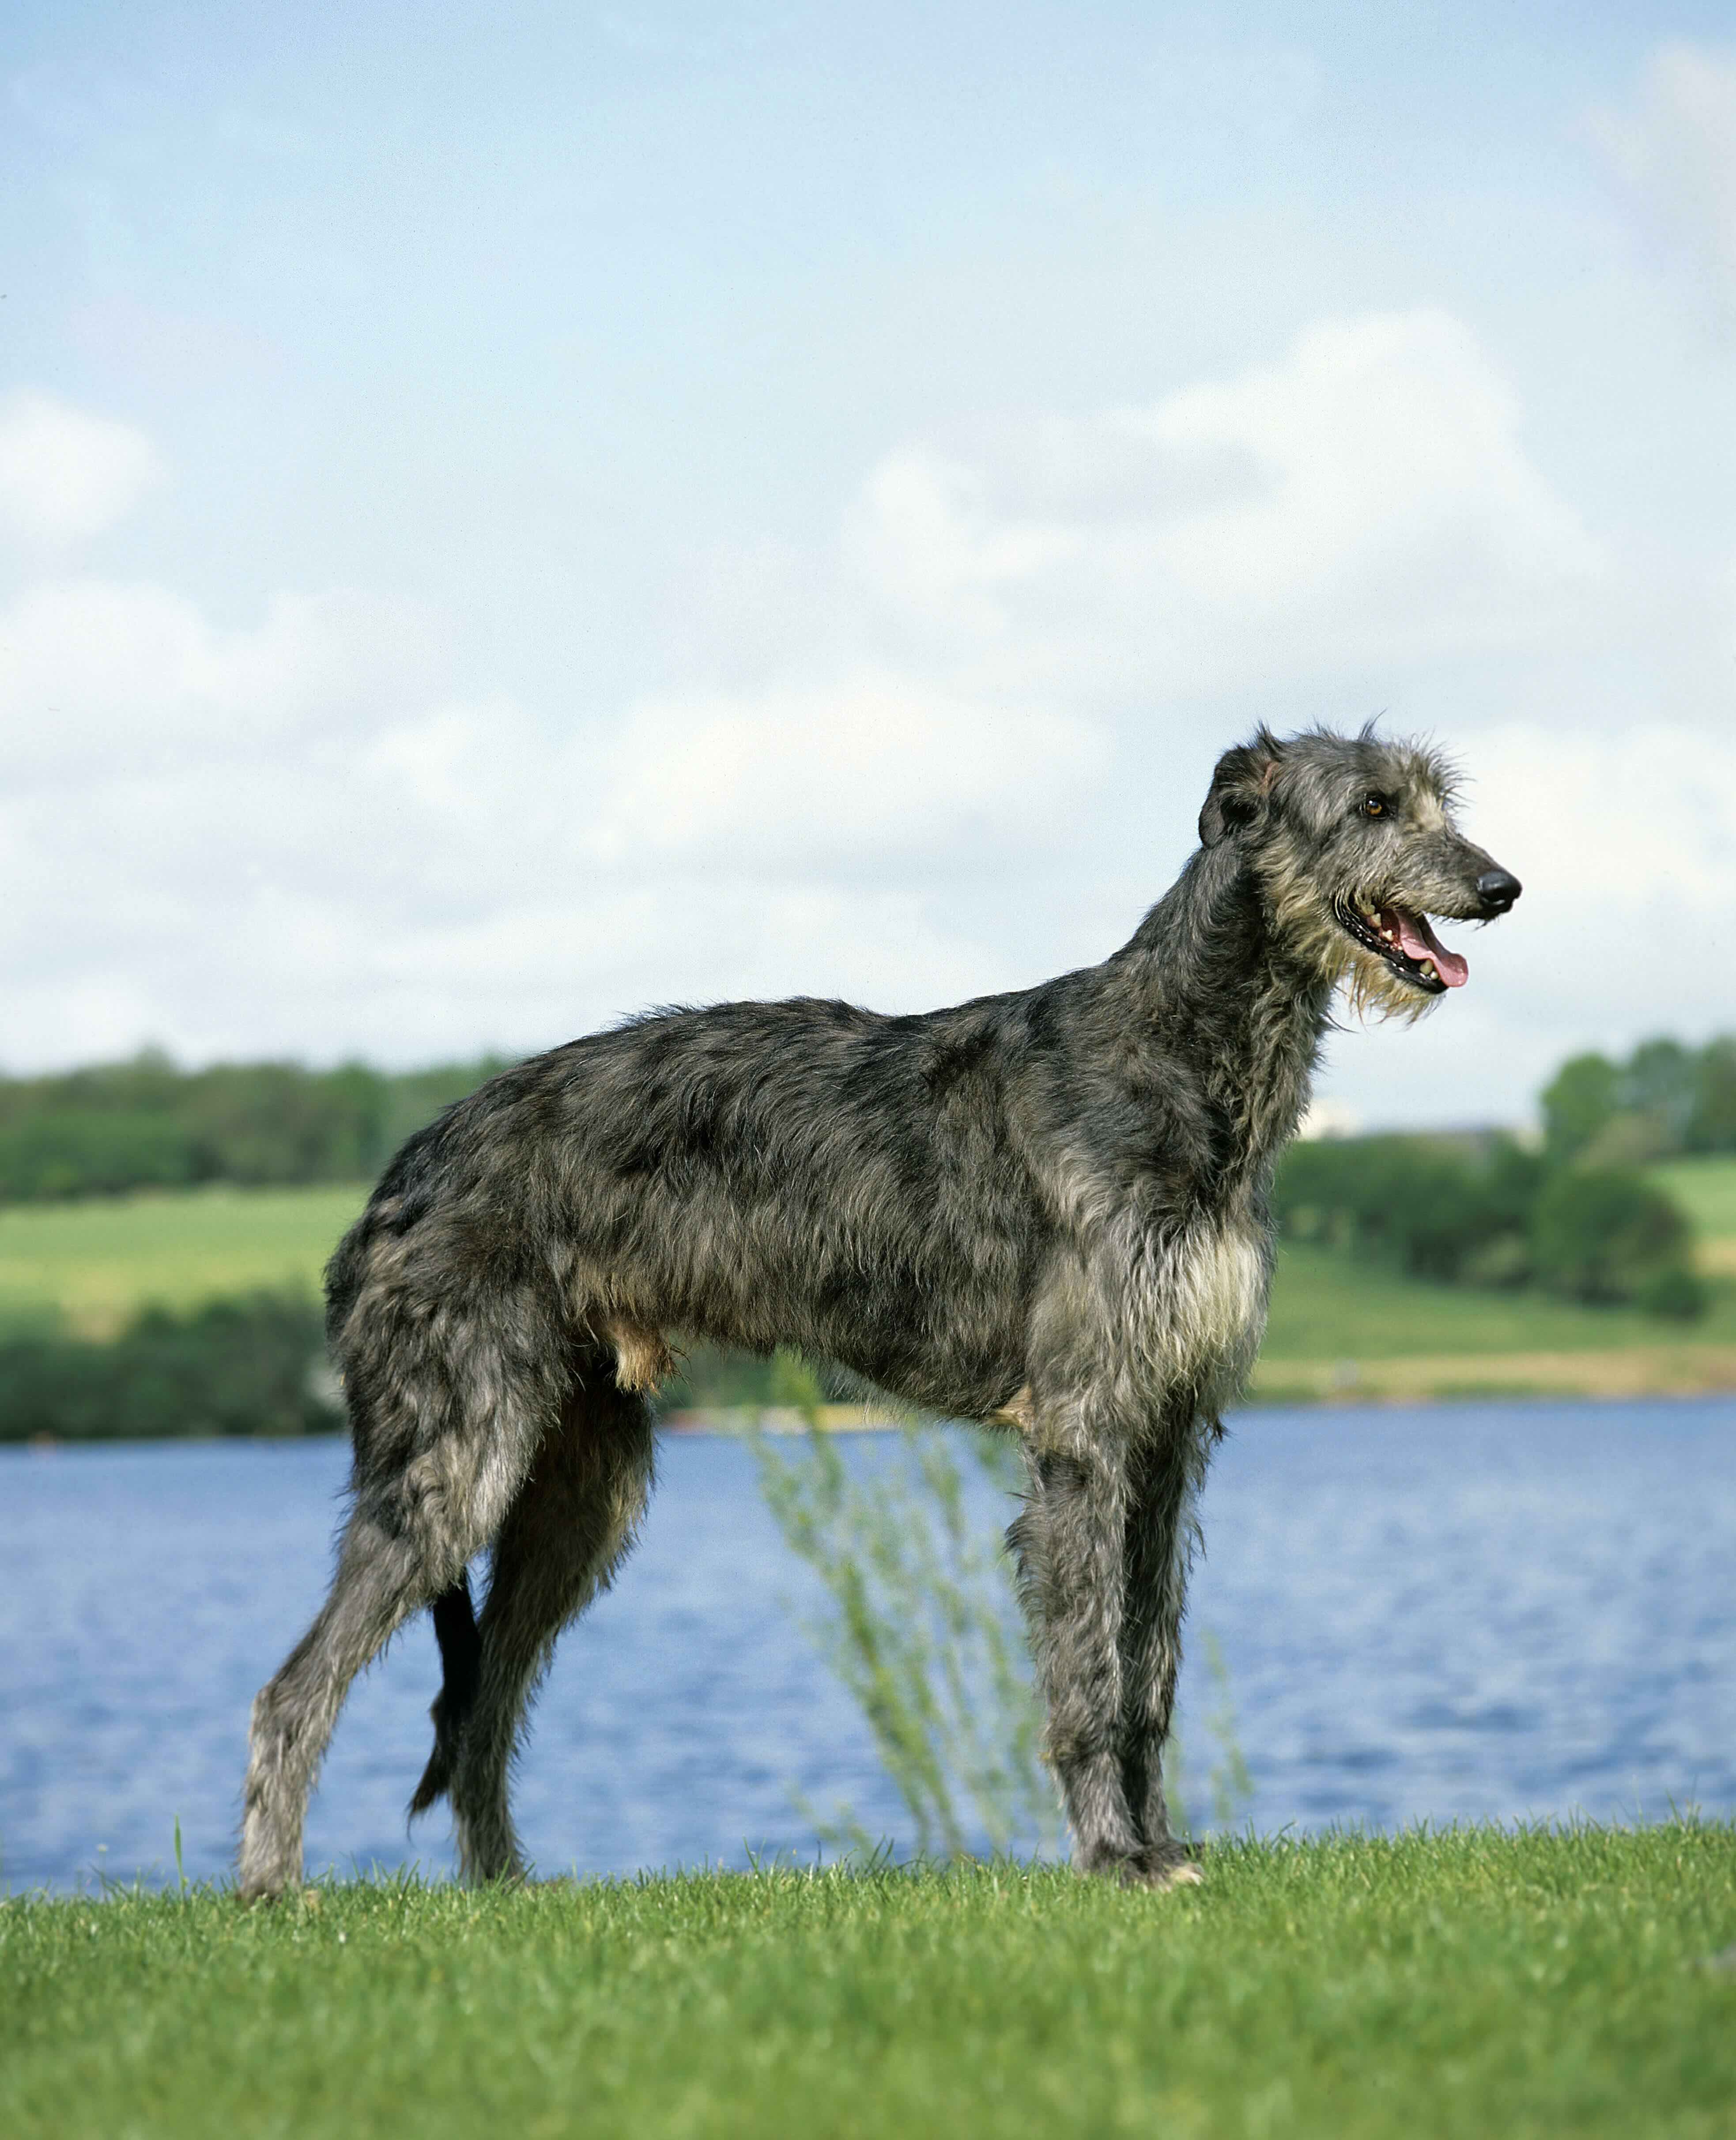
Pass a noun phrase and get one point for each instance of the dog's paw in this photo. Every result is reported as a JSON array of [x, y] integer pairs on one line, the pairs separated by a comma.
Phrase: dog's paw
[[1170, 1865], [1158, 1866], [253, 1894]]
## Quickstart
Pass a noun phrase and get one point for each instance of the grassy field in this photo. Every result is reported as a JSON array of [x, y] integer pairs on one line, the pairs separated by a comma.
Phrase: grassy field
[[1325, 1305], [93, 1264], [1469, 1984], [1350, 1330], [1338, 1328], [1706, 1191]]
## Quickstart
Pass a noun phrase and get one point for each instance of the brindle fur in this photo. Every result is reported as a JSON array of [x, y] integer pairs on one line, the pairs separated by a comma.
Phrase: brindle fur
[[1047, 1209]]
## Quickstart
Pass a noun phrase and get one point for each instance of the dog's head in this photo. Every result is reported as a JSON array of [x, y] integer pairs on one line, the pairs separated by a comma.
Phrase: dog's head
[[1352, 842]]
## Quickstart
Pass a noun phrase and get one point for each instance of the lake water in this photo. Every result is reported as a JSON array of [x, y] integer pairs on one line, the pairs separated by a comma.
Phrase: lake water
[[1448, 1612]]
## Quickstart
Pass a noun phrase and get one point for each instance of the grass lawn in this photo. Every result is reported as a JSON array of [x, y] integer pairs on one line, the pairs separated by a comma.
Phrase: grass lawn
[[1706, 1191], [1327, 1305], [93, 1264], [1475, 1983]]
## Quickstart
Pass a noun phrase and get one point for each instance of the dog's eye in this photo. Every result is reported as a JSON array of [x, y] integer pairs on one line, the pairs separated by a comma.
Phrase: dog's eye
[[1373, 807]]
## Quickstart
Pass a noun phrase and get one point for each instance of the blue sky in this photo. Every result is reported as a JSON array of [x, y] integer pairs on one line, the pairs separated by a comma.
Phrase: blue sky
[[511, 515]]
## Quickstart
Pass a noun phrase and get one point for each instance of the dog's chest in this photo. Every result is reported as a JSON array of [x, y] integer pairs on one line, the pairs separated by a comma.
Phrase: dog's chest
[[1215, 1313]]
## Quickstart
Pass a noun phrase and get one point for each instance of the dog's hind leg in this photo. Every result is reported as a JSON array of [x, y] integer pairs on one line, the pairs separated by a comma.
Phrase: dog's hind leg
[[1164, 1476], [384, 1574], [566, 1534], [1069, 1543], [443, 1439]]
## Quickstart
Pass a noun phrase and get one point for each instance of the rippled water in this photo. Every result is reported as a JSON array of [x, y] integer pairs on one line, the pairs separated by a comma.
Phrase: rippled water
[[1442, 1612]]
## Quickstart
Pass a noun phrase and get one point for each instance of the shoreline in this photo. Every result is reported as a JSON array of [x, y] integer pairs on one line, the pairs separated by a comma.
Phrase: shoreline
[[1670, 1371], [1619, 1374], [1630, 1371]]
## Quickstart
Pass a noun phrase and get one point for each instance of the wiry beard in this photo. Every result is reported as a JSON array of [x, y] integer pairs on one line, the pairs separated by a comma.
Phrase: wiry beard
[[1372, 989]]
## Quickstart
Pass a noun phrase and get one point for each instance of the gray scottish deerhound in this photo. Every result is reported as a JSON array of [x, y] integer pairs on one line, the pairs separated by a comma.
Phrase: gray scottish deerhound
[[1046, 1209]]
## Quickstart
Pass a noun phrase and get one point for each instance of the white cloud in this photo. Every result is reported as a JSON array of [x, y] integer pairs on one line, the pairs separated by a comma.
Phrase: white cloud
[[1676, 154], [95, 675], [1636, 820], [316, 903], [977, 745], [66, 474], [1627, 844], [1365, 503], [878, 767], [272, 844]]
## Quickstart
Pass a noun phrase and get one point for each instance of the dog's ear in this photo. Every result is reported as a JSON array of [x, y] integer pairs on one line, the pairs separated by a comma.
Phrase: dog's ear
[[1240, 787]]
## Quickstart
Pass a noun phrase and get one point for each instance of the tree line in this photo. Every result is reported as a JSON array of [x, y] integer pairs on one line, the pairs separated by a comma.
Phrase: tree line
[[1665, 1100], [145, 1124]]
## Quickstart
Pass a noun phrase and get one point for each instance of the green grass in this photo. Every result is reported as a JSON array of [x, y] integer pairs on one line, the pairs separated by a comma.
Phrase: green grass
[[1706, 1191], [1474, 1983], [93, 1264], [1327, 1305]]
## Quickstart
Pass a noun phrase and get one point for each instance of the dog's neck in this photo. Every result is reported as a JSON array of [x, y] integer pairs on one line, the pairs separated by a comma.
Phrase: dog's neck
[[1209, 967]]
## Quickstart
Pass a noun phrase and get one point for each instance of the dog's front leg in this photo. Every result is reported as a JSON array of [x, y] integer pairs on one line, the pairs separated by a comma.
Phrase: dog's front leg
[[1070, 1544], [1164, 1476]]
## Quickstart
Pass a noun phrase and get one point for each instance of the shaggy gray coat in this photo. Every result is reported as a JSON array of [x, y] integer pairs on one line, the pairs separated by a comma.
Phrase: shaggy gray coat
[[1046, 1209]]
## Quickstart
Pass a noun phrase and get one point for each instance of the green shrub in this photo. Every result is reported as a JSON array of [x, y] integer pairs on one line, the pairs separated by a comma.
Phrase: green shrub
[[1676, 1292], [1711, 1122], [241, 1367], [1441, 1208], [85, 1151], [1604, 1234]]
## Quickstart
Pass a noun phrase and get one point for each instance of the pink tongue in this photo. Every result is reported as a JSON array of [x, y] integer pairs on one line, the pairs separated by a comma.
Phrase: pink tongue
[[1418, 941]]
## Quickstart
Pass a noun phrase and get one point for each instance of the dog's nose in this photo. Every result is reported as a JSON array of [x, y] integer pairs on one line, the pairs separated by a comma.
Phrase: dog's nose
[[1498, 889]]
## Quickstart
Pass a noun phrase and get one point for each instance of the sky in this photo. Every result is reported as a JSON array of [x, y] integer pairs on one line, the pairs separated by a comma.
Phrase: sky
[[512, 515]]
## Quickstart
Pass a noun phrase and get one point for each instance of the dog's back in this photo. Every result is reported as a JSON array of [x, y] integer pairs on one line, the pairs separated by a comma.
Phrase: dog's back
[[752, 1175]]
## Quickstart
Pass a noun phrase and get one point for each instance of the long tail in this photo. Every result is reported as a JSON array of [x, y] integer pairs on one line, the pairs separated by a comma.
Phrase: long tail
[[461, 1665]]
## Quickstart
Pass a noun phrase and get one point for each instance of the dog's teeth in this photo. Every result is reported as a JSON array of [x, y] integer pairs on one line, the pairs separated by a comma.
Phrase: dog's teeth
[[1429, 972]]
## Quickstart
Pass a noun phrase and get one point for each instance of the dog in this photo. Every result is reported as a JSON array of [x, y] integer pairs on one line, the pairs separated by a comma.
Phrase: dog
[[1047, 1210]]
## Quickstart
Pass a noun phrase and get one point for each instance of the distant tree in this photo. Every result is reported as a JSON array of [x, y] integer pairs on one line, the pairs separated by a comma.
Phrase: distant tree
[[1658, 1084], [1578, 1103], [413, 1098], [1712, 1121], [276, 1121]]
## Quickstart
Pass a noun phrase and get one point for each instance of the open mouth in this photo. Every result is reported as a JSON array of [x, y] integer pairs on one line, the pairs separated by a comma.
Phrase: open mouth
[[1408, 945]]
